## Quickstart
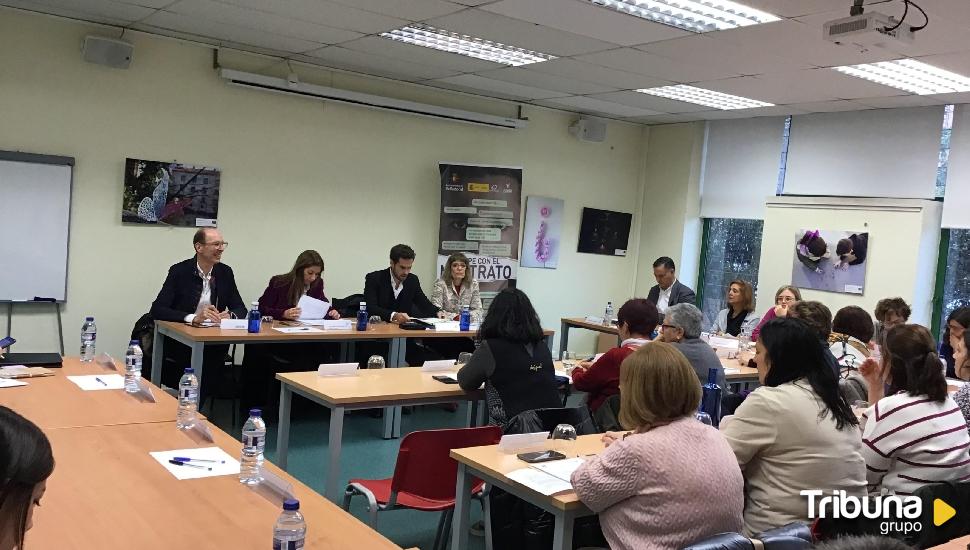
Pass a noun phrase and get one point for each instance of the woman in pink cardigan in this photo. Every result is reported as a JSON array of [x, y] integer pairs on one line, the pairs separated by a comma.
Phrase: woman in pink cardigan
[[672, 480], [784, 299]]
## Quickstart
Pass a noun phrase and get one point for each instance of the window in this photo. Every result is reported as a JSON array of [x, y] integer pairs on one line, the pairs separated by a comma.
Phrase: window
[[944, 160], [731, 249], [782, 165], [956, 279]]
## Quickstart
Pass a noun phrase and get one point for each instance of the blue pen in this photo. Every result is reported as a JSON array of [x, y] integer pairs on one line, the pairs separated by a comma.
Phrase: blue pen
[[180, 463], [189, 459], [103, 383]]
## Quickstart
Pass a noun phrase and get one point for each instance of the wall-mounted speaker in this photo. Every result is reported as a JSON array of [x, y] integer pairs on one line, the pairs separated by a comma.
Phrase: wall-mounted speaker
[[589, 129], [109, 52]]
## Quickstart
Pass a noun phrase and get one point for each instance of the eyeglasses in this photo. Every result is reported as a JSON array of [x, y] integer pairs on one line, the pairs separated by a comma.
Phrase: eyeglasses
[[669, 326], [218, 244], [784, 299]]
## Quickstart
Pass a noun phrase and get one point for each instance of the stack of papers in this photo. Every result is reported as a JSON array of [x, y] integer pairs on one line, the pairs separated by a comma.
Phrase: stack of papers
[[311, 308], [548, 478]]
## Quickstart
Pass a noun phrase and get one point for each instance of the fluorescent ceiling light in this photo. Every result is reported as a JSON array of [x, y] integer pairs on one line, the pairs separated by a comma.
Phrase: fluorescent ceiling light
[[439, 39], [691, 15], [701, 96], [910, 75]]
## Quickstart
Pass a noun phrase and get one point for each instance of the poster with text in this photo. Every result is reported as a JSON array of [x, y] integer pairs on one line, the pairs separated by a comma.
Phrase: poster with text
[[169, 193], [480, 212], [604, 232], [831, 260], [542, 232]]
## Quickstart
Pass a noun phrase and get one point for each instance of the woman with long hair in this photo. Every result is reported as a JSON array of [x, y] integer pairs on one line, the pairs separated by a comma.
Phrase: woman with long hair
[[26, 461], [284, 291], [648, 486], [961, 359], [739, 315], [795, 432], [785, 297], [957, 322], [914, 433], [455, 290]]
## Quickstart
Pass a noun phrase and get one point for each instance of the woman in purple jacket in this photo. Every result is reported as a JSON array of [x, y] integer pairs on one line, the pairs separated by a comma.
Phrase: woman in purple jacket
[[283, 292]]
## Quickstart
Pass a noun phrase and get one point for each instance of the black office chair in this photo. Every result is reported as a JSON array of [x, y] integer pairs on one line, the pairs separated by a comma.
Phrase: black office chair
[[227, 386], [794, 536]]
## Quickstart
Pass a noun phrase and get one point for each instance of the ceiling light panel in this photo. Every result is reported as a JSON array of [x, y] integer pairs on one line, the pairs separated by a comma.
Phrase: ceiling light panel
[[691, 15], [702, 96], [909, 75], [447, 41]]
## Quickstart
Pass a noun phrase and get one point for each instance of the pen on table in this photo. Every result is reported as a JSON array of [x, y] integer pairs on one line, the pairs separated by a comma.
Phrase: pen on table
[[181, 463], [98, 378], [190, 459]]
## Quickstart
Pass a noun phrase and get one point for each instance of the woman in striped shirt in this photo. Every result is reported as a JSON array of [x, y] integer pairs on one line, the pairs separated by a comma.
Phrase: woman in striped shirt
[[914, 434]]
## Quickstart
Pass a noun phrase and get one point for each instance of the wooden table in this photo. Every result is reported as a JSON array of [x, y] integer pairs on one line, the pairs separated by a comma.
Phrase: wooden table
[[370, 388], [107, 492], [581, 322], [56, 402], [491, 465], [735, 373]]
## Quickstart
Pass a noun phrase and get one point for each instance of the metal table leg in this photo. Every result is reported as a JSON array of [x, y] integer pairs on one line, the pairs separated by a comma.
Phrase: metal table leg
[[333, 469], [283, 437], [563, 339], [392, 415], [563, 534], [158, 357], [459, 522]]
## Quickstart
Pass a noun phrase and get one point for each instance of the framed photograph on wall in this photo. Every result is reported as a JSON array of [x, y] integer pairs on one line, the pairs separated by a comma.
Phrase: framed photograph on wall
[[604, 232], [542, 235], [169, 193], [830, 260]]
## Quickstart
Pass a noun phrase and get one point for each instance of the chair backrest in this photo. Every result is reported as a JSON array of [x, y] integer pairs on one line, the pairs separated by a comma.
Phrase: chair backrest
[[794, 536], [424, 467]]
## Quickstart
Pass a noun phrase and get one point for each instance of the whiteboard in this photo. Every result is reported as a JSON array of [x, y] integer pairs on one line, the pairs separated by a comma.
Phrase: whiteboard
[[35, 220]]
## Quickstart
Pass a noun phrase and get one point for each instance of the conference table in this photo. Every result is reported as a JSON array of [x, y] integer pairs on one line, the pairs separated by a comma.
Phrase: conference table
[[567, 323], [108, 492]]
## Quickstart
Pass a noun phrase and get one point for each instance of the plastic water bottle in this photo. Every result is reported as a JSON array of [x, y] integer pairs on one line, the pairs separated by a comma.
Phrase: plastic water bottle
[[465, 319], [362, 317], [188, 400], [608, 314], [711, 400], [253, 440], [133, 358], [89, 335], [289, 533], [255, 319]]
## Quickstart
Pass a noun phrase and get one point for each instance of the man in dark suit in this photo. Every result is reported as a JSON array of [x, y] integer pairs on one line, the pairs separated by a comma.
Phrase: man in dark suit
[[198, 290], [395, 295], [668, 291]]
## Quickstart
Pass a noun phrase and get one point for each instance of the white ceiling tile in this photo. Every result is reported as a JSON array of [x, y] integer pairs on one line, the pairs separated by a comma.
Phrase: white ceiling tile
[[791, 39], [472, 2], [420, 54], [516, 32], [901, 101], [154, 4], [651, 102], [806, 86], [641, 62], [587, 19], [529, 77], [351, 60], [745, 58], [597, 74], [164, 20], [963, 97], [795, 8], [261, 21], [834, 106], [592, 105], [955, 11], [89, 10], [488, 86], [956, 62], [411, 10], [667, 118], [941, 36], [326, 13]]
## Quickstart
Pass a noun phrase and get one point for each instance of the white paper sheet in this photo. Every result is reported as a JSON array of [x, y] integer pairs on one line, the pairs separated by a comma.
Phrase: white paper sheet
[[565, 374], [296, 330], [540, 482], [338, 369], [338, 324], [719, 342], [517, 443], [454, 326], [9, 383], [234, 324], [92, 382], [224, 464], [563, 469], [438, 366], [311, 308]]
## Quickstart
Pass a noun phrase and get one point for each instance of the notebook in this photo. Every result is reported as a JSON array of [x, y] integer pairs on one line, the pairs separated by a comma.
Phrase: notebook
[[32, 359]]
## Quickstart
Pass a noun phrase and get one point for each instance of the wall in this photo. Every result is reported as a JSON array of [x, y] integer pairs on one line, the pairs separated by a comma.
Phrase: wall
[[904, 240], [296, 174]]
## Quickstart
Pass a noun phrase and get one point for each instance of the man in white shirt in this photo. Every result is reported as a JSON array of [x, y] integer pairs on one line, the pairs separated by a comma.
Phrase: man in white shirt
[[668, 291]]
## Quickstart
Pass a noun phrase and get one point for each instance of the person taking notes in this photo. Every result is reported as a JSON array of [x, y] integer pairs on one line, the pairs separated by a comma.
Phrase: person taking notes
[[282, 295]]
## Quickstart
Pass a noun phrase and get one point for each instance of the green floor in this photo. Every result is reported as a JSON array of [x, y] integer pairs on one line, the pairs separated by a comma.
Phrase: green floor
[[365, 454]]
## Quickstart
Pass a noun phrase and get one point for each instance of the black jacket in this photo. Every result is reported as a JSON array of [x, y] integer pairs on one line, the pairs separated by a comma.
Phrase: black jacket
[[679, 294], [380, 296], [183, 286]]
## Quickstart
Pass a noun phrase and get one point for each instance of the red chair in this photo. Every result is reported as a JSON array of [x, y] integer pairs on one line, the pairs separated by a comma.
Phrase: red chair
[[424, 476]]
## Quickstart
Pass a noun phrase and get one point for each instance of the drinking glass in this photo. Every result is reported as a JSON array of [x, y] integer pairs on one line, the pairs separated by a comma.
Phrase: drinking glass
[[464, 357], [375, 362], [569, 360], [564, 438], [703, 418]]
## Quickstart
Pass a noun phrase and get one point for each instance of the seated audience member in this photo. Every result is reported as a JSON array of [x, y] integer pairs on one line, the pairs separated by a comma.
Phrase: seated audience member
[[395, 295], [453, 291], [819, 318], [739, 316], [956, 324], [962, 361], [636, 320], [513, 361], [200, 289], [889, 313], [852, 331], [280, 300], [795, 432], [682, 329], [915, 434], [668, 291], [784, 298], [648, 487], [26, 461]]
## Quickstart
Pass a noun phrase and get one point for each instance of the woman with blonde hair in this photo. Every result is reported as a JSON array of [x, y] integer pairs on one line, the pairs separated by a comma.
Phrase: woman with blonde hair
[[647, 486], [453, 291]]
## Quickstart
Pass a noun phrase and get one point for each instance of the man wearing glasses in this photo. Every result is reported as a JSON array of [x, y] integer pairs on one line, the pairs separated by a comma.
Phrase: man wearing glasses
[[202, 291]]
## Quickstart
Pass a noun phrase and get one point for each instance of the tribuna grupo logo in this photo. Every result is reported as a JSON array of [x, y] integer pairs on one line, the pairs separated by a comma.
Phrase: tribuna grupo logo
[[899, 514]]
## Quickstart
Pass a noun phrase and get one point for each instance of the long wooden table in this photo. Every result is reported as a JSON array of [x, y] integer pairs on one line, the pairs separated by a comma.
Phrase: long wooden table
[[492, 465], [370, 388], [56, 402], [567, 323]]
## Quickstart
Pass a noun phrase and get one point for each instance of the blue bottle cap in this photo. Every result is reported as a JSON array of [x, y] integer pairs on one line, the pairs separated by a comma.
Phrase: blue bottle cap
[[255, 412], [89, 318], [291, 504], [189, 370], [134, 343]]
